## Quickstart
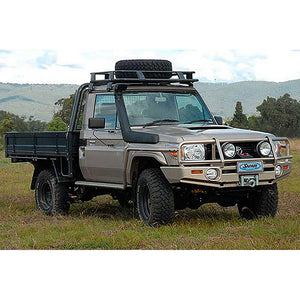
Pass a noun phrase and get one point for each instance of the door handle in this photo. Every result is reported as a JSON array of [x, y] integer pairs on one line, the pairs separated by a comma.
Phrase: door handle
[[81, 152], [93, 142]]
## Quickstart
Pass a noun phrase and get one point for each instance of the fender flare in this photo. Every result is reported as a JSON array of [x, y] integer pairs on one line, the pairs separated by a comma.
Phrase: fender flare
[[158, 156]]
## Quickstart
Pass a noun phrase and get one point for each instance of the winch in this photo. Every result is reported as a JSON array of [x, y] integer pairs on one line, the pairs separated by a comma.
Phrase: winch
[[249, 180]]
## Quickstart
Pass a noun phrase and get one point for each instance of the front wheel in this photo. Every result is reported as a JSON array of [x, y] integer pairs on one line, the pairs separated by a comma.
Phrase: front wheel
[[260, 203], [51, 197], [155, 199]]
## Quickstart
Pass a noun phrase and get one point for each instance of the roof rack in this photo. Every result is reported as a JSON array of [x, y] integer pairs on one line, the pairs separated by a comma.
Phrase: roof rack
[[140, 77]]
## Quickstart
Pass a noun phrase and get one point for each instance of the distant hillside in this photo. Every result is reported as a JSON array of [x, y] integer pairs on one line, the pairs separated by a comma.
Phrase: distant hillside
[[33, 99], [38, 99], [221, 97]]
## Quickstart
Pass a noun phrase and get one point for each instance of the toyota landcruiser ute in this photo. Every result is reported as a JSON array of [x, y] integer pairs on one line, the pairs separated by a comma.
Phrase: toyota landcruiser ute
[[143, 134]]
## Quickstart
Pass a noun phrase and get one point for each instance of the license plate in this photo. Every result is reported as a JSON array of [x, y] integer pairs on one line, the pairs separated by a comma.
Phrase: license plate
[[250, 166]]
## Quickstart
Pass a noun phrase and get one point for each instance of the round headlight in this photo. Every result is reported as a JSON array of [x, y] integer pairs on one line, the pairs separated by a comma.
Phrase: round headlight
[[264, 148], [229, 150], [212, 174], [193, 152]]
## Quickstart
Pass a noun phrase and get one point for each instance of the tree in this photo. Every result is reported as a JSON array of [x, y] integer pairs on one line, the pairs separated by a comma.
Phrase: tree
[[279, 116], [22, 123], [254, 122], [65, 108], [6, 125], [239, 118], [57, 124], [35, 125]]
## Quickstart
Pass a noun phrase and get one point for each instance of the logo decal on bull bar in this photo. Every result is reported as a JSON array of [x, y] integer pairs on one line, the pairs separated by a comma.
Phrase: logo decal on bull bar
[[250, 166]]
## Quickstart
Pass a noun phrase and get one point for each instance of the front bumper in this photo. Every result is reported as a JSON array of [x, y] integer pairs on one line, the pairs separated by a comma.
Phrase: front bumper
[[228, 175]]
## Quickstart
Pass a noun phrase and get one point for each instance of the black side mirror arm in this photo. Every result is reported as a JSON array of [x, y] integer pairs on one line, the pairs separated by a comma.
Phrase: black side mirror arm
[[219, 120]]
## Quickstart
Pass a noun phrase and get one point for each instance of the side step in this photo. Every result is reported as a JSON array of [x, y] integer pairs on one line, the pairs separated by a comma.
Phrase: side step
[[101, 184]]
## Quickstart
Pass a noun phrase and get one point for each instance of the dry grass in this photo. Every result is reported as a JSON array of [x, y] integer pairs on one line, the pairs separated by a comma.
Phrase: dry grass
[[103, 224], [295, 144]]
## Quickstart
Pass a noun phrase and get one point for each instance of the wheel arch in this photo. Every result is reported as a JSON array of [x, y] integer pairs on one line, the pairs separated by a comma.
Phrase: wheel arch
[[39, 166], [141, 160]]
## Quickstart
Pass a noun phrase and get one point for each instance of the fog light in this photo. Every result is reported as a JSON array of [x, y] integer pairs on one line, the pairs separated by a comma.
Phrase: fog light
[[278, 171], [212, 174]]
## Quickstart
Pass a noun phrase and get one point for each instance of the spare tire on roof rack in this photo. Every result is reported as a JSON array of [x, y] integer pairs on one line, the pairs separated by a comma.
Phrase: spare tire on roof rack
[[144, 65]]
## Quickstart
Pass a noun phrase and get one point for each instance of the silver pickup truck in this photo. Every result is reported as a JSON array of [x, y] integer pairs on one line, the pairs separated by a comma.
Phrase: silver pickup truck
[[143, 134]]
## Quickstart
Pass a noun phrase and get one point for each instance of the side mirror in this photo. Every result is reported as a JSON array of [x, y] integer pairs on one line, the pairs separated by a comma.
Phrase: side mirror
[[96, 123], [219, 120]]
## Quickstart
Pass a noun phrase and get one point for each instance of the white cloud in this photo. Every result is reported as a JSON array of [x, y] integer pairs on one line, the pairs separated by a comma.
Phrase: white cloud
[[279, 67], [74, 66]]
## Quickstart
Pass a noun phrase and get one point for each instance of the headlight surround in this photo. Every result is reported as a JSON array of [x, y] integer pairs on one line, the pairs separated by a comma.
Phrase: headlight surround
[[212, 174], [278, 171], [264, 149], [277, 146], [229, 150], [193, 152]]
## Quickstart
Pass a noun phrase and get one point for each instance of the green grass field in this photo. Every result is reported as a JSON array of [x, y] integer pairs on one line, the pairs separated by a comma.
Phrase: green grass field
[[103, 224]]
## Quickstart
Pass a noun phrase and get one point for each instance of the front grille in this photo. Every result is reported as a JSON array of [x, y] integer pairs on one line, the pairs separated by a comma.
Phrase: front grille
[[249, 148], [244, 151], [208, 151]]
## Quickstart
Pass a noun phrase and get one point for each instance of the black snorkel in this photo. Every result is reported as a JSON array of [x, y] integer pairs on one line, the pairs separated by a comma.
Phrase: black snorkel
[[130, 136]]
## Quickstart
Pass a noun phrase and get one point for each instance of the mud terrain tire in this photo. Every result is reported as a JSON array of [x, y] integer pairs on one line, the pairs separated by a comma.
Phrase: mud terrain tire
[[155, 199], [261, 203], [51, 197]]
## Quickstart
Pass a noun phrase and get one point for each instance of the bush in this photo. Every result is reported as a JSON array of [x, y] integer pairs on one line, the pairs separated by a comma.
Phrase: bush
[[57, 124]]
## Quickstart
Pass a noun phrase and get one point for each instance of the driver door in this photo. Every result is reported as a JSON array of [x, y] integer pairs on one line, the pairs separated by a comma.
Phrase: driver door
[[103, 159]]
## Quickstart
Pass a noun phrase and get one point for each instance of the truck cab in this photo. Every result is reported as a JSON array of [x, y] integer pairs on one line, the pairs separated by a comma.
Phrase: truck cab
[[143, 134]]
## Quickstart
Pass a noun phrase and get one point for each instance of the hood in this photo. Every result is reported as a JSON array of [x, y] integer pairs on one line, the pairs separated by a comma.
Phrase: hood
[[177, 134]]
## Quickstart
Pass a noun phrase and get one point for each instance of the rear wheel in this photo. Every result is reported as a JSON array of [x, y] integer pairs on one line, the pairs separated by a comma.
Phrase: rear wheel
[[155, 199], [51, 197], [260, 203]]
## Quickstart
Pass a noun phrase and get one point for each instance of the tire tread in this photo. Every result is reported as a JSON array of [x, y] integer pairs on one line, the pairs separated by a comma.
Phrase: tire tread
[[162, 198], [60, 195], [260, 204], [144, 65]]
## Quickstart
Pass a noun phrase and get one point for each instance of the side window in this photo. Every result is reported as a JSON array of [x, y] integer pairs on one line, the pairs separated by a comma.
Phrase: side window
[[105, 107], [79, 119]]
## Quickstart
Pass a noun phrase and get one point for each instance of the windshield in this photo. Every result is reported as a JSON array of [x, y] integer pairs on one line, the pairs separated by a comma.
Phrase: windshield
[[155, 108]]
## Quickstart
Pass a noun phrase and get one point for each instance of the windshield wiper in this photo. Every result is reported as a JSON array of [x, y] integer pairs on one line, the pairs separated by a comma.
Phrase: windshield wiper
[[160, 121], [195, 121]]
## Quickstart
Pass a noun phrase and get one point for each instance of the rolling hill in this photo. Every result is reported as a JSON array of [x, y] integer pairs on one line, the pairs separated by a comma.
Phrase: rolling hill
[[38, 99], [33, 99], [221, 97]]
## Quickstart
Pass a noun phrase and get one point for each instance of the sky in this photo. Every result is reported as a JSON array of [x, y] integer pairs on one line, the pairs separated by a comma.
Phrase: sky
[[74, 66], [223, 41]]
